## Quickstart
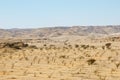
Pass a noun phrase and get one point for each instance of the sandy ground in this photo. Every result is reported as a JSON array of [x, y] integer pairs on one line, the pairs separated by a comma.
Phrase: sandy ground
[[62, 61]]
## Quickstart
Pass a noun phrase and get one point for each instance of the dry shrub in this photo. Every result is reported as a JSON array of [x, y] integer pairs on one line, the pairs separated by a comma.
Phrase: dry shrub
[[85, 46], [108, 45], [76, 46], [91, 61], [14, 45], [33, 47]]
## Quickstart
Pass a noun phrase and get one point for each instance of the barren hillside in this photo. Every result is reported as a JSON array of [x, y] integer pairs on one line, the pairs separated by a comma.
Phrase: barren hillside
[[60, 31]]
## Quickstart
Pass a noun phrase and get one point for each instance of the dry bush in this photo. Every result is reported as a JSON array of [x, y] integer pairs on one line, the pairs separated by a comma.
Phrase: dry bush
[[103, 47], [108, 45], [92, 47], [45, 45], [117, 64], [52, 46], [85, 46], [63, 56], [70, 46], [14, 45], [76, 46], [91, 61], [33, 47]]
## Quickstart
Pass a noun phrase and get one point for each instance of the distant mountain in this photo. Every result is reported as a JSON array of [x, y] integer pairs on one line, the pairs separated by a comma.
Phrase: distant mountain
[[60, 31]]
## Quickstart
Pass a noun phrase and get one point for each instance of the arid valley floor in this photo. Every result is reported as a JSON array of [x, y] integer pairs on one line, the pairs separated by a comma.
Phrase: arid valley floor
[[63, 58]]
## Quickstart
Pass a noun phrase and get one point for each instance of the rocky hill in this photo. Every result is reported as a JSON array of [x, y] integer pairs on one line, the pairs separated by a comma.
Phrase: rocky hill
[[60, 31]]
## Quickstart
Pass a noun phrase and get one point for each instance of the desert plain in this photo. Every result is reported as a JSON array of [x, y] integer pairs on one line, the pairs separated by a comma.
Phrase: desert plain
[[60, 56]]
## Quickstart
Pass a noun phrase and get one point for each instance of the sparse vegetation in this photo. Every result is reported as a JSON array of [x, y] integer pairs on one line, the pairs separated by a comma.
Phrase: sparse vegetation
[[14, 45], [85, 46], [33, 47], [55, 59]]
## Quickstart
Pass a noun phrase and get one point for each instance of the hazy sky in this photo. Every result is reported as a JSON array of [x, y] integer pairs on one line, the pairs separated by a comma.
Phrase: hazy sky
[[48, 13]]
